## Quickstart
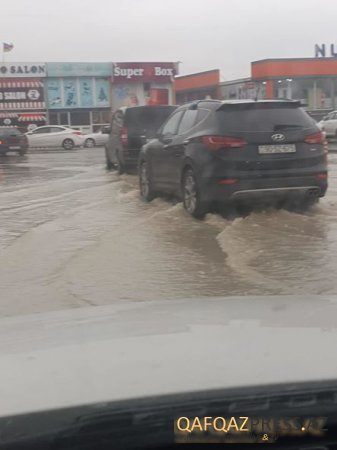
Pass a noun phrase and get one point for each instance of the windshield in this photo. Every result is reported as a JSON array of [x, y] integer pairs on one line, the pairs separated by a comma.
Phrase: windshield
[[168, 212]]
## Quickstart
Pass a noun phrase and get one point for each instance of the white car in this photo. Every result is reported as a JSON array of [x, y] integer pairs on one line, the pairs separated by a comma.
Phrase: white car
[[329, 124], [54, 136], [95, 139]]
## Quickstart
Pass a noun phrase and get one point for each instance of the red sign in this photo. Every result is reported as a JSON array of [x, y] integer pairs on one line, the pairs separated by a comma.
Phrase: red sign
[[144, 72], [19, 94]]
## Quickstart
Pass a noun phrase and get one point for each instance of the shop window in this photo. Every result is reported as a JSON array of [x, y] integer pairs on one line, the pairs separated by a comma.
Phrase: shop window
[[96, 117], [106, 117], [64, 120], [101, 117], [53, 119], [80, 118]]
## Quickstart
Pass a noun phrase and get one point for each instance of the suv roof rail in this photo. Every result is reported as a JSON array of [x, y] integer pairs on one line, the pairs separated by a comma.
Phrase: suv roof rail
[[194, 105]]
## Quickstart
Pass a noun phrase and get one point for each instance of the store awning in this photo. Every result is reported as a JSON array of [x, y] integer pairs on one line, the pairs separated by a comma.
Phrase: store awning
[[20, 84], [32, 117], [8, 115]]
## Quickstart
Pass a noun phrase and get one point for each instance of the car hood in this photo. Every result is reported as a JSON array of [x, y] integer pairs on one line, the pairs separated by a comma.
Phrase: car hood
[[138, 349]]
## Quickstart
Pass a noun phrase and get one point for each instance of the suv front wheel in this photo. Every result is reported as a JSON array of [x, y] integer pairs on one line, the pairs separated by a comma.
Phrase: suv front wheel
[[192, 196], [145, 182]]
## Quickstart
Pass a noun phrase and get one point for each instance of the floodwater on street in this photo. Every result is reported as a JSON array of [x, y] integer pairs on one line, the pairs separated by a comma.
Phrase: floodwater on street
[[73, 234]]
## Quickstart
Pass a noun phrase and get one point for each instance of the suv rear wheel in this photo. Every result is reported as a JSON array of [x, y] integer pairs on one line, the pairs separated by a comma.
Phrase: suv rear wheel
[[119, 166], [191, 196]]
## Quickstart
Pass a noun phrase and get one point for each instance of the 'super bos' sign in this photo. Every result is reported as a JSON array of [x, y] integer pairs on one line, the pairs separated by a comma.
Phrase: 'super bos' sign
[[133, 72]]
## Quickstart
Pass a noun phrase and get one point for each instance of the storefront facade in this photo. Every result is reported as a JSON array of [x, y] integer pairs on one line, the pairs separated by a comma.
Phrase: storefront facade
[[79, 94], [22, 97], [197, 86], [311, 80], [143, 83]]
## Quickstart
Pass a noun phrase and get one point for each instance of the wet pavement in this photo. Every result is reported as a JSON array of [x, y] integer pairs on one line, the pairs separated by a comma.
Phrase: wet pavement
[[73, 234]]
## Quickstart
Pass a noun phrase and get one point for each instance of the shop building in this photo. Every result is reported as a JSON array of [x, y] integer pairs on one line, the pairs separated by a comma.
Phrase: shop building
[[79, 94], [197, 86], [313, 81], [143, 83], [22, 97]]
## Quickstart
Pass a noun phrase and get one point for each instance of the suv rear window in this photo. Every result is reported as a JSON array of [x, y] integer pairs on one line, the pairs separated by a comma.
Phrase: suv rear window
[[147, 120], [8, 131], [263, 118]]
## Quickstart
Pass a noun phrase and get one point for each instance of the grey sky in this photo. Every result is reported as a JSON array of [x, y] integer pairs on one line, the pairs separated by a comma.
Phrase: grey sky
[[203, 34]]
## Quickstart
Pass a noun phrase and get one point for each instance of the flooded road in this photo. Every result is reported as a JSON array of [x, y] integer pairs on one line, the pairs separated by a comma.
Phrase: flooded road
[[74, 235]]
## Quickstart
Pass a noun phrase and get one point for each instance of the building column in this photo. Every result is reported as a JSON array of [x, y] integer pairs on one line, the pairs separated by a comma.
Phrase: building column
[[270, 89]]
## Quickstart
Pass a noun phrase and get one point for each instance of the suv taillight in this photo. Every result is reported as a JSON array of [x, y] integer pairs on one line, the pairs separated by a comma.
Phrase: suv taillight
[[316, 138], [217, 142], [124, 136]]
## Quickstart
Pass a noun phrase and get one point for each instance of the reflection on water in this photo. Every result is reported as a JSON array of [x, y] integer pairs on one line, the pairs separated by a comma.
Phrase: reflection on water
[[73, 234]]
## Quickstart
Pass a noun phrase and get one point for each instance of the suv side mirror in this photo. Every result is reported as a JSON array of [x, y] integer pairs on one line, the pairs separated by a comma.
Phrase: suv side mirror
[[166, 138], [143, 140]]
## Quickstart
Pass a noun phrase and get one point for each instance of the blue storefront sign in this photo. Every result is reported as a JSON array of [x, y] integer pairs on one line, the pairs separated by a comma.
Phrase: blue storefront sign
[[79, 69]]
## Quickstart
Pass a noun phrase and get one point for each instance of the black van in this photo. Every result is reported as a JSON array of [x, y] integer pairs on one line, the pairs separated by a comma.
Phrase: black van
[[131, 127]]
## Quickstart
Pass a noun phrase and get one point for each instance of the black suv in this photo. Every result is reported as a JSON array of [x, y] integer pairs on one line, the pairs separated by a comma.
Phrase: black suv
[[224, 151], [130, 128], [12, 140]]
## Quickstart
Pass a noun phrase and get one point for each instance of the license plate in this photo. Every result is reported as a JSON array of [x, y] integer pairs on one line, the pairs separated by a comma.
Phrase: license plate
[[14, 147], [286, 148]]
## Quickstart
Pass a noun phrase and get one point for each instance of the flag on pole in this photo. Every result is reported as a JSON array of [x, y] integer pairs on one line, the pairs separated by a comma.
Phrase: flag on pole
[[7, 47]]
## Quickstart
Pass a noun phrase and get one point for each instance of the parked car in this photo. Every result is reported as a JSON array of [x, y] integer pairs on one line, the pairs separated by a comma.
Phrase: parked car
[[95, 139], [236, 151], [329, 124], [12, 140], [55, 136], [130, 127]]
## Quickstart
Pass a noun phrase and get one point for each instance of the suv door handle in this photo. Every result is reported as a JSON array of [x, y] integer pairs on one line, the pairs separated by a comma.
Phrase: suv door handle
[[186, 142]]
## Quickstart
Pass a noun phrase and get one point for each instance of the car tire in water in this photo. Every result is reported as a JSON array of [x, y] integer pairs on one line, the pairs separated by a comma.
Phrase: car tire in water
[[145, 182], [191, 195], [22, 152], [68, 144], [89, 143], [119, 166], [109, 164]]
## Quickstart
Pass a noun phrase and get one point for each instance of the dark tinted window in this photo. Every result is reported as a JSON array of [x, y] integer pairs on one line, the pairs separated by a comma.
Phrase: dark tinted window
[[147, 120], [264, 119], [9, 131], [172, 124], [188, 120], [202, 113]]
